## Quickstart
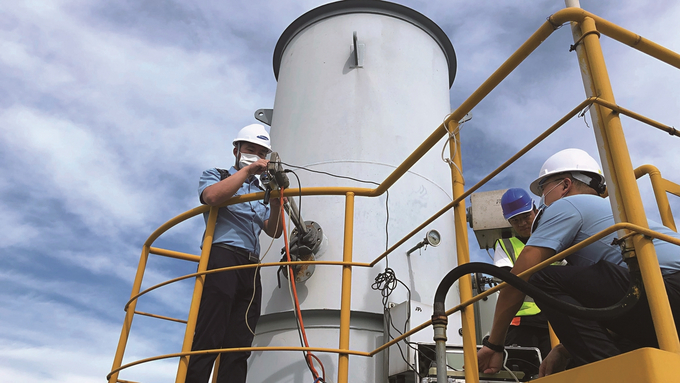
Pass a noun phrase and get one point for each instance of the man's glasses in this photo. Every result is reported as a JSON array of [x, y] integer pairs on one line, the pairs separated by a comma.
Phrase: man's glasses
[[545, 182]]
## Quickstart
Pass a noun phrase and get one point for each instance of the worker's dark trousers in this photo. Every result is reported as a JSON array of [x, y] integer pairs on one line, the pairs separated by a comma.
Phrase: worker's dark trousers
[[600, 285], [221, 318]]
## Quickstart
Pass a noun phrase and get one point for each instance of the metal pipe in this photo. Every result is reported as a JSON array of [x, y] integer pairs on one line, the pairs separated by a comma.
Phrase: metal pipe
[[617, 33], [439, 326], [174, 221], [295, 216], [630, 207], [416, 247], [129, 315], [249, 266], [467, 316], [238, 349], [160, 317], [646, 120], [345, 300], [175, 254], [659, 193], [198, 292]]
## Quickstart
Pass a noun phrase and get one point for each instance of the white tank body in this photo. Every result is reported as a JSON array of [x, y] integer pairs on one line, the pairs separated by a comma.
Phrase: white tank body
[[359, 122]]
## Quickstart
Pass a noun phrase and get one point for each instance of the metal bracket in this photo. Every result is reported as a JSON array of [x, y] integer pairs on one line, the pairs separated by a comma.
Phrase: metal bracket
[[264, 116], [357, 51]]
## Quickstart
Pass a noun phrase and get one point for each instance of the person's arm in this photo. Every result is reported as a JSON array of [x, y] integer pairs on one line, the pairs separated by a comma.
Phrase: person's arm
[[509, 302], [218, 193], [273, 226]]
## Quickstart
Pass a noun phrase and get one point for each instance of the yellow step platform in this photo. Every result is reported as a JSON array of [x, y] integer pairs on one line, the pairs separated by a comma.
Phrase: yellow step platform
[[649, 365]]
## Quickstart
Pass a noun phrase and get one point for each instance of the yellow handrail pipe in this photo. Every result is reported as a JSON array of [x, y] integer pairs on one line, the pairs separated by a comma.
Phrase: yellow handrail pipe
[[611, 139], [658, 186], [346, 295], [196, 297]]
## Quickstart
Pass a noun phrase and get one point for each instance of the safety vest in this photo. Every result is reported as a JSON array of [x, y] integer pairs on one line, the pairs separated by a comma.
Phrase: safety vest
[[512, 247]]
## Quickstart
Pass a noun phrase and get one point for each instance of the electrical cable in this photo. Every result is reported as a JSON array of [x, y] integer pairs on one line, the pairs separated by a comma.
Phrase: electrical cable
[[257, 268], [635, 291], [505, 361], [308, 355], [292, 299], [299, 189], [329, 174], [387, 281], [297, 323], [297, 314], [524, 361], [454, 146], [582, 114]]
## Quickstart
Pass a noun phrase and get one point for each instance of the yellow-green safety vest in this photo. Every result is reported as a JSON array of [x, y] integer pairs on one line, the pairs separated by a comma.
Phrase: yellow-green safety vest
[[511, 247]]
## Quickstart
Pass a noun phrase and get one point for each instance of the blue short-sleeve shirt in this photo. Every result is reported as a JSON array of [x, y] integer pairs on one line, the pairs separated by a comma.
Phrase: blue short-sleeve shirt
[[239, 224], [572, 219]]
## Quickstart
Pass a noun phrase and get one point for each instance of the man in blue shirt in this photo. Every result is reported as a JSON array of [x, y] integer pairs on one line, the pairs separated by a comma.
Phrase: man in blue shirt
[[570, 183], [230, 304]]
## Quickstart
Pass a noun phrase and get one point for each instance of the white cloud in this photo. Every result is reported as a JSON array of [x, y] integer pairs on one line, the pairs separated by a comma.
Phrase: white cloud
[[48, 341], [71, 163], [13, 229]]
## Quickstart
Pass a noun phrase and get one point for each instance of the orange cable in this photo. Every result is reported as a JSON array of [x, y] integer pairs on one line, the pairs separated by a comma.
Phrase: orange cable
[[297, 303]]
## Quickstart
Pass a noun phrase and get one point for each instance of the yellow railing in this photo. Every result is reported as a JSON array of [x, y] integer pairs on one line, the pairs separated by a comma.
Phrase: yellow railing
[[661, 186], [614, 154]]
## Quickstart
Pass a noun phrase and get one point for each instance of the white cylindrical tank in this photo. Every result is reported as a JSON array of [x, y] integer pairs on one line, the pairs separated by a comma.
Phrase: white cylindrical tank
[[359, 113]]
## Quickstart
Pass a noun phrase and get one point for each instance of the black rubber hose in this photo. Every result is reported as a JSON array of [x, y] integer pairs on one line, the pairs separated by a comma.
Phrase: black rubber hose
[[635, 290]]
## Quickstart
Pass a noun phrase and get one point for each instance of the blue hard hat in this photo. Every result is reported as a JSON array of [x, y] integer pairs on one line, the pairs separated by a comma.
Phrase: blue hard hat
[[516, 201]]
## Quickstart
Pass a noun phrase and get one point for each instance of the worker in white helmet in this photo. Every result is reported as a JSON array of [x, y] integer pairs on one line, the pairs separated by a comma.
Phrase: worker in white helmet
[[232, 296], [569, 183]]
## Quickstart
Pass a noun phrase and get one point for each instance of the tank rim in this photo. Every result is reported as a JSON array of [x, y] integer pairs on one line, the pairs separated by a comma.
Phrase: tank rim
[[367, 6]]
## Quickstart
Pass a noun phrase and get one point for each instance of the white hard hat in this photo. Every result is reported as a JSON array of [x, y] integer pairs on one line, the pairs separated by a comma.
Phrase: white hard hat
[[256, 134], [580, 164]]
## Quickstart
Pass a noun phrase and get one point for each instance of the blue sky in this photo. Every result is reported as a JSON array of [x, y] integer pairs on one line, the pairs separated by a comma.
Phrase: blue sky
[[110, 110]]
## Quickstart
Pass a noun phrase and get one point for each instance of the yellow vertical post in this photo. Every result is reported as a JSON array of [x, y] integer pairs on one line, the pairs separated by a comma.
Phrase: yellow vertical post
[[196, 297], [346, 297], [661, 197], [129, 314], [467, 315], [627, 205], [554, 340]]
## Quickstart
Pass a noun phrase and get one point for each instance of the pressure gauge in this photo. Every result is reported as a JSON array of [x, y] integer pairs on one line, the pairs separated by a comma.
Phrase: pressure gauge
[[433, 238]]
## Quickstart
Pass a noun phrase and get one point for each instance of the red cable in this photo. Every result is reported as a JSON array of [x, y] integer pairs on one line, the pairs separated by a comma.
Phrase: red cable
[[297, 303]]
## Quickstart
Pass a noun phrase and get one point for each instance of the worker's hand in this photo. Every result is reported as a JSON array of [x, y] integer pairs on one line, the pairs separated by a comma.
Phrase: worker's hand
[[277, 202], [489, 361], [556, 361], [257, 167]]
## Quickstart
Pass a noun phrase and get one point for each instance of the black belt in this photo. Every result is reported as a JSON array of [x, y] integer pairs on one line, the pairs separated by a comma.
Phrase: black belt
[[252, 257]]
